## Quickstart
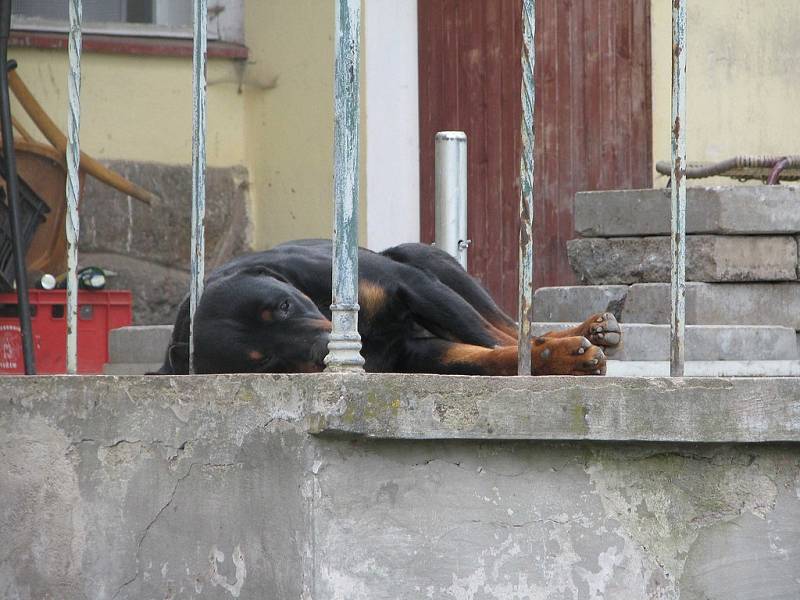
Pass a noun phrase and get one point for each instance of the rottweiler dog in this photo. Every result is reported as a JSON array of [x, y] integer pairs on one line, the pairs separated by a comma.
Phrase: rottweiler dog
[[420, 312]]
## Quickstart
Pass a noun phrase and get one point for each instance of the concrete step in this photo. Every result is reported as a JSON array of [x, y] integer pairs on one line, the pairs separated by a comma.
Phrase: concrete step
[[722, 368], [646, 342], [723, 210], [706, 303], [138, 344], [575, 303], [709, 258], [718, 304], [130, 368]]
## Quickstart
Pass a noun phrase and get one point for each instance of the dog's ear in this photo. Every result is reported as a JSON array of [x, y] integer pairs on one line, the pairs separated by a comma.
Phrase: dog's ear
[[261, 270], [178, 356]]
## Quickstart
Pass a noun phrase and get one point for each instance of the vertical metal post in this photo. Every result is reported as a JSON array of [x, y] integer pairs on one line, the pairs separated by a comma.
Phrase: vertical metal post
[[73, 183], [344, 348], [526, 187], [200, 21], [451, 194], [13, 194], [678, 190]]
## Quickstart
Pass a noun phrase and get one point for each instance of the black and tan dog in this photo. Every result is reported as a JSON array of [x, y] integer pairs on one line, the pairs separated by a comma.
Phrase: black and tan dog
[[269, 312]]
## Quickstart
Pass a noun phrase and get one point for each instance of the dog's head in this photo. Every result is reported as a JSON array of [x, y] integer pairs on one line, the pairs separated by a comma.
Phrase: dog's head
[[254, 321]]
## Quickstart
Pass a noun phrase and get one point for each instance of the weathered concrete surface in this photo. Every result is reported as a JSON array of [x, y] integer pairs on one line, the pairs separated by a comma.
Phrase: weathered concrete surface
[[724, 210], [647, 342], [143, 344], [211, 487], [561, 304], [149, 245], [718, 304], [709, 258], [706, 368]]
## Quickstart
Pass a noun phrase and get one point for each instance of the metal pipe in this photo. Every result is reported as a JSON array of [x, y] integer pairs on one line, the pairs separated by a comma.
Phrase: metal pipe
[[775, 174], [12, 188], [737, 163], [73, 183], [200, 22], [344, 347], [678, 191], [525, 314], [451, 194]]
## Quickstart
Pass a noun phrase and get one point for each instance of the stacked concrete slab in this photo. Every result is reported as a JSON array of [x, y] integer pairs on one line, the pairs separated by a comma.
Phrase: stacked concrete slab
[[742, 265]]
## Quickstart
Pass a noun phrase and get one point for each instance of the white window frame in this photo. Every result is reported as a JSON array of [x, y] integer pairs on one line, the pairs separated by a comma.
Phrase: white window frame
[[225, 24]]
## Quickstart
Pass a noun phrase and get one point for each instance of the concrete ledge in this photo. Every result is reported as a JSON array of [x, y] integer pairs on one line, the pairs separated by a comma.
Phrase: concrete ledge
[[212, 487], [707, 368], [436, 407]]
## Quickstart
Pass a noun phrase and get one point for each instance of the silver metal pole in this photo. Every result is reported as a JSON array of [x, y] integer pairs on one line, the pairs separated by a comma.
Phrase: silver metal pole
[[525, 314], [678, 190], [451, 194], [73, 184], [200, 19], [344, 348]]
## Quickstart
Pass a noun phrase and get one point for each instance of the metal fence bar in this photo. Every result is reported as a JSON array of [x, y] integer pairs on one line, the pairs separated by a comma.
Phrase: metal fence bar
[[344, 348], [73, 183], [451, 194], [525, 314], [200, 21], [678, 191], [12, 193]]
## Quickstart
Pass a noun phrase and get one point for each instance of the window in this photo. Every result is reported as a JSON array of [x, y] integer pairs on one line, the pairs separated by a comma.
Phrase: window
[[151, 18]]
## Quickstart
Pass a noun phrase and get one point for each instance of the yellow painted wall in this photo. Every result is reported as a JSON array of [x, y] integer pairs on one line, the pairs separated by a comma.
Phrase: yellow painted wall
[[289, 125], [139, 108], [743, 70]]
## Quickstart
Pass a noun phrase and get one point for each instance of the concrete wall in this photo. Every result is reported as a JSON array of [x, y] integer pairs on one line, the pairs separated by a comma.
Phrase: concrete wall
[[743, 85], [336, 487]]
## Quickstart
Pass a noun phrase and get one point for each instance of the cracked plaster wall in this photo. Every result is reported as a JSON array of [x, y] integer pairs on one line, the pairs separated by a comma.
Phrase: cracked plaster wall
[[210, 488]]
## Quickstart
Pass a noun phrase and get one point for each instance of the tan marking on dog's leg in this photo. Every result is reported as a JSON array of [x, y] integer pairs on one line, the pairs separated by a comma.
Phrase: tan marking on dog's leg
[[371, 297]]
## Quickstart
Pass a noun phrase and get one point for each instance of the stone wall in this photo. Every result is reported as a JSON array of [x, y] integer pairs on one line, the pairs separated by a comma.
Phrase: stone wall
[[149, 246], [334, 487]]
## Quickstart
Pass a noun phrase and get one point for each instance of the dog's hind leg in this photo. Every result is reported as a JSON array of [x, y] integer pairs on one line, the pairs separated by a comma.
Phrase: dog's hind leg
[[439, 265], [549, 356]]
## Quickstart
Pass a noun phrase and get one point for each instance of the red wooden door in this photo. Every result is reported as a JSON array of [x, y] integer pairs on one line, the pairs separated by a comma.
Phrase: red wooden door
[[593, 119]]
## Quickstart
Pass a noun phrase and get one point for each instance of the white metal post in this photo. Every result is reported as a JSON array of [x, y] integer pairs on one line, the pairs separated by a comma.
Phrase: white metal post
[[451, 194]]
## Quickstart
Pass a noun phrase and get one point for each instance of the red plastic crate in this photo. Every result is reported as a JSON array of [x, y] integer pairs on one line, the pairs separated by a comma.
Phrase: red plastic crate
[[98, 313]]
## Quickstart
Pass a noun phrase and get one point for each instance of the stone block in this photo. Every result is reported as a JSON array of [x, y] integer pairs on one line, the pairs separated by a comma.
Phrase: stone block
[[709, 258], [575, 303], [718, 304], [706, 368], [143, 344], [723, 210], [114, 223], [648, 342], [157, 290]]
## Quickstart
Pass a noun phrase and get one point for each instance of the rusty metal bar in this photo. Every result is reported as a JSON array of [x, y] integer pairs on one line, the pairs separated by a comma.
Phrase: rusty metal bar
[[525, 314], [73, 183], [678, 192], [200, 20], [344, 348], [451, 194]]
